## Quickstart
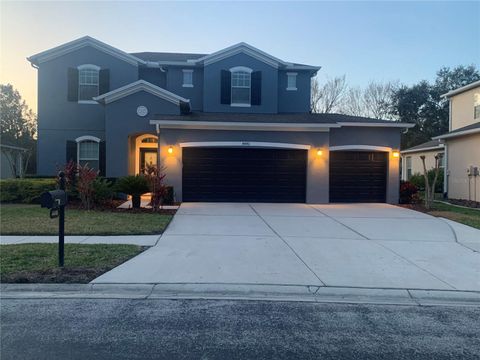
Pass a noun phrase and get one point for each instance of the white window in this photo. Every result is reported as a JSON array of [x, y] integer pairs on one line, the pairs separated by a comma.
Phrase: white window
[[291, 81], [88, 151], [187, 78], [409, 167], [88, 83], [241, 83]]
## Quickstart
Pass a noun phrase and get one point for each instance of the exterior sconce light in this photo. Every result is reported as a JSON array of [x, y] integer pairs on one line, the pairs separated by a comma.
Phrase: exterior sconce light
[[319, 152], [396, 154], [170, 150]]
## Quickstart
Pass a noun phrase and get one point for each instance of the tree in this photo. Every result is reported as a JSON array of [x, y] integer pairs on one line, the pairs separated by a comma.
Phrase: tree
[[430, 187], [326, 98], [422, 104], [374, 101], [18, 125]]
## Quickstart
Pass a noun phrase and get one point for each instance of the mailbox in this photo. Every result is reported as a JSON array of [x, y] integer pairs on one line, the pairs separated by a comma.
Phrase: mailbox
[[53, 199]]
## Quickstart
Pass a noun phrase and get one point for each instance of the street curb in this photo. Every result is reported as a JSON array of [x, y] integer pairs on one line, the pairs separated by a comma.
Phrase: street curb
[[264, 292]]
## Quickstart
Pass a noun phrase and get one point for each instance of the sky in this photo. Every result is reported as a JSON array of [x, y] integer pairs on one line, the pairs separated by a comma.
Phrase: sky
[[406, 41]]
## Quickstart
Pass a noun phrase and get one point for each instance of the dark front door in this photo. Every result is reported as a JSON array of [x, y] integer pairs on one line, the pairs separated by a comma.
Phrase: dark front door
[[147, 156], [358, 176], [244, 174]]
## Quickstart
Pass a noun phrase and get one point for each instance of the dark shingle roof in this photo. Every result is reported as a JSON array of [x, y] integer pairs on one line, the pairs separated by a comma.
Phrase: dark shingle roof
[[166, 56], [272, 118], [425, 145], [465, 128]]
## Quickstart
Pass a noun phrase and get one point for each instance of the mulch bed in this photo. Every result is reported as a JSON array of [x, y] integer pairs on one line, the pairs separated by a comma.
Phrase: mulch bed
[[466, 203], [113, 207]]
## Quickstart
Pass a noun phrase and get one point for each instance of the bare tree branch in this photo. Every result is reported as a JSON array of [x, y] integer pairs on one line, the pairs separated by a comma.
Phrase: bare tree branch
[[326, 98]]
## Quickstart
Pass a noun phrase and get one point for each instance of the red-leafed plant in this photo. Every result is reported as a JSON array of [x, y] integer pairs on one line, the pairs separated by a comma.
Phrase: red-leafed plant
[[158, 189], [408, 193], [85, 185], [70, 170]]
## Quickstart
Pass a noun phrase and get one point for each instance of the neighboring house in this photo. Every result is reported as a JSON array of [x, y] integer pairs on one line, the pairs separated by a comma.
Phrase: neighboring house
[[12, 161], [233, 125], [412, 163], [462, 143]]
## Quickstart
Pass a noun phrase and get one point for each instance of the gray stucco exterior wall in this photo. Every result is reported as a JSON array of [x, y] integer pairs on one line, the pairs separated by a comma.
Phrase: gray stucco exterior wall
[[122, 121], [294, 101]]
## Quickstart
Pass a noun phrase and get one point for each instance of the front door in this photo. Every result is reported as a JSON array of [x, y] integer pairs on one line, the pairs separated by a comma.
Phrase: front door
[[147, 157]]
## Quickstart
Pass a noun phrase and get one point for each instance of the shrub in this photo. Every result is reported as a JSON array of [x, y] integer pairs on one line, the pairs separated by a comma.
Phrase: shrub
[[408, 193], [25, 191], [85, 187], [156, 185], [169, 196], [134, 186], [419, 180], [102, 191]]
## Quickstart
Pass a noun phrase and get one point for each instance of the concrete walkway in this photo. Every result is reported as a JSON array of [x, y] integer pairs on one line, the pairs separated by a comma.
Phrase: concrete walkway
[[354, 245], [142, 240]]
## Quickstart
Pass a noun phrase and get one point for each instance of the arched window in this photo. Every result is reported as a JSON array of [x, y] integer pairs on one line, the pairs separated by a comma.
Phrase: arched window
[[88, 151], [149, 140], [241, 83], [88, 82]]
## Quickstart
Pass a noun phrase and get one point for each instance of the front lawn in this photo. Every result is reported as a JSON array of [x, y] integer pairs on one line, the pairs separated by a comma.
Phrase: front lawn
[[38, 263], [19, 219], [470, 217]]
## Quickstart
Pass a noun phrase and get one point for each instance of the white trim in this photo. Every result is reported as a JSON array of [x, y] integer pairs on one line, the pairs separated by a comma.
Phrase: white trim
[[260, 144], [80, 43], [140, 85], [292, 89], [459, 133], [88, 66], [187, 85], [461, 89], [366, 124], [240, 105], [225, 125], [360, 147], [241, 68], [438, 147], [242, 48], [187, 71], [93, 102], [87, 138]]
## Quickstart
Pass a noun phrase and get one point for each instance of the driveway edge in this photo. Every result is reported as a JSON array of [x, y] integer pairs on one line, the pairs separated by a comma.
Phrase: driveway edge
[[264, 292]]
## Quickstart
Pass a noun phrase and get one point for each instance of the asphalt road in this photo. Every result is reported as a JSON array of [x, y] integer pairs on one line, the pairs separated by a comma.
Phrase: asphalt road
[[201, 329]]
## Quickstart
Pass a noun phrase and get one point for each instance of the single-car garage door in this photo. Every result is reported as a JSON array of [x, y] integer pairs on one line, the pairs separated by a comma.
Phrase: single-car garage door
[[244, 174], [358, 176]]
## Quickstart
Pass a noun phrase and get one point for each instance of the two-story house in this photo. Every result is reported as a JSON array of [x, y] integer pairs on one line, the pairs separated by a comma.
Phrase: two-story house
[[234, 125], [462, 143]]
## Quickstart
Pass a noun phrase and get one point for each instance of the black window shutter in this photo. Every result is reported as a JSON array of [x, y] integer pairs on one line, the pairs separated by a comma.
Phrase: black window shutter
[[104, 81], [226, 87], [256, 89], [103, 159], [71, 151], [72, 84]]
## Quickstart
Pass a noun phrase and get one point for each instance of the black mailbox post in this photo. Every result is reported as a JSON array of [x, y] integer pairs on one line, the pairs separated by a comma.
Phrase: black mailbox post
[[55, 201]]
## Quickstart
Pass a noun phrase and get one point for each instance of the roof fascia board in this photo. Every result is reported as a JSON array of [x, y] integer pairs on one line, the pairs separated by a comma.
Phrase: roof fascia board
[[80, 43], [366, 124], [461, 89], [224, 125], [245, 144], [439, 147], [140, 85], [460, 133]]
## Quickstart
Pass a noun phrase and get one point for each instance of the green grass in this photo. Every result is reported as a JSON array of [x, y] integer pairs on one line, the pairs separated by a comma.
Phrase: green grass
[[468, 217], [17, 219], [30, 263]]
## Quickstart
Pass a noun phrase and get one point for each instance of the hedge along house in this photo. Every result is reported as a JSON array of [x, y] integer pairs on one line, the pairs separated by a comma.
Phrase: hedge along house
[[233, 125]]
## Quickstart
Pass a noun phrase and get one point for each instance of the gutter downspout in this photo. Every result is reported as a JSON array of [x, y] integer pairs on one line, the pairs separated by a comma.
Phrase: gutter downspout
[[445, 170], [157, 127]]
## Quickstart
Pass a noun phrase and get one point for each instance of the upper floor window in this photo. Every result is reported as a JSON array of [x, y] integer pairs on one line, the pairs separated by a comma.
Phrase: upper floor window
[[476, 112], [187, 78], [88, 151], [88, 82], [241, 83], [291, 81]]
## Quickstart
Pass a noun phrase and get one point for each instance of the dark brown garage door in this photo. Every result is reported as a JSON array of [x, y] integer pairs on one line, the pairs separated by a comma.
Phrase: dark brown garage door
[[244, 174], [358, 176]]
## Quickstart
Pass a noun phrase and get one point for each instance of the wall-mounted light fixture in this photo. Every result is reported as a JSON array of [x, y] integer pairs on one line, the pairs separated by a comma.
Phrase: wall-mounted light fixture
[[396, 154], [170, 150], [319, 152]]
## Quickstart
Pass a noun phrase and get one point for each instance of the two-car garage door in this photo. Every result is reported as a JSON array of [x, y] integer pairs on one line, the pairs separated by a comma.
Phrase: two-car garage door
[[278, 175], [244, 174]]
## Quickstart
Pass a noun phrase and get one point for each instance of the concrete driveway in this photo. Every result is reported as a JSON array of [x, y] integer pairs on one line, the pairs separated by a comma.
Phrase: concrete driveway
[[352, 245]]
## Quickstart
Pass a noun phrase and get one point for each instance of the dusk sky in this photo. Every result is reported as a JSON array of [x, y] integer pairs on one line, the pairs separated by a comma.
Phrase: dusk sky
[[405, 41]]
